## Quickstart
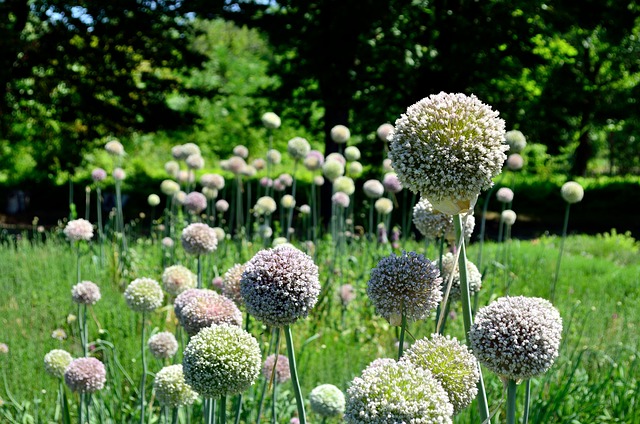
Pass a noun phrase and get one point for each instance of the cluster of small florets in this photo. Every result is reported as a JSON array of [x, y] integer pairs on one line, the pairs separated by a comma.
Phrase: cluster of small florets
[[352, 153], [271, 121], [504, 195], [119, 174], [241, 151], [172, 168], [281, 368], [114, 147], [517, 337], [183, 151], [515, 162], [327, 400], [85, 293], [98, 175], [222, 205], [572, 192], [516, 141], [169, 187], [199, 239], [373, 189], [408, 284], [448, 147], [288, 201], [231, 283], [78, 229], [195, 202], [273, 156], [56, 362], [384, 131], [451, 363], [434, 224], [391, 182], [383, 206], [314, 160], [171, 389], [396, 392], [85, 375], [450, 265], [355, 169], [144, 295], [280, 285], [212, 181], [201, 312], [347, 294], [153, 200], [194, 161], [340, 134], [508, 217], [187, 296], [178, 278], [265, 206], [332, 169], [221, 360], [345, 185], [163, 345], [298, 148]]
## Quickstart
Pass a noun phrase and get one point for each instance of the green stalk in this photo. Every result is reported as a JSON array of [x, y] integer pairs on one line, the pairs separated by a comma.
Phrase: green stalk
[[511, 401], [144, 371], [77, 262], [403, 329], [293, 194], [527, 401], [238, 409], [564, 236], [222, 410], [174, 416], [199, 272], [100, 229], [294, 375]]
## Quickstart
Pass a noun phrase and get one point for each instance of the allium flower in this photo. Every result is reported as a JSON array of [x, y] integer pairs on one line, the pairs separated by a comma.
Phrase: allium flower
[[287, 201], [249, 171], [185, 176], [85, 375], [212, 181], [114, 147], [201, 312], [278, 185], [85, 293], [280, 241], [283, 372], [59, 334], [280, 285], [195, 202], [172, 168], [572, 192], [352, 153], [241, 151], [313, 160], [373, 189], [384, 131], [332, 169], [259, 164], [153, 200], [4, 349], [78, 229], [210, 193], [189, 149], [305, 209], [187, 296], [199, 239], [220, 234], [340, 134], [271, 121], [449, 265], [327, 400], [171, 389], [221, 360], [298, 148], [178, 152], [265, 206], [434, 225], [515, 162], [195, 161], [56, 362], [504, 195], [167, 242], [143, 295], [231, 283], [508, 217], [318, 180], [391, 182], [286, 179], [451, 363], [98, 175], [266, 182], [222, 205], [336, 156], [180, 197], [408, 283], [517, 337], [345, 185], [383, 206], [396, 392], [178, 278], [163, 345], [236, 164], [355, 169], [169, 187], [516, 141], [448, 147], [341, 199], [274, 157], [347, 294], [387, 165], [119, 174]]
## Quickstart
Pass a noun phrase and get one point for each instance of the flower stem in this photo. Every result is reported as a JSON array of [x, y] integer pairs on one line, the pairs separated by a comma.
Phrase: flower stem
[[403, 329], [564, 236], [527, 400], [199, 272], [143, 380], [294, 375], [511, 401], [222, 410]]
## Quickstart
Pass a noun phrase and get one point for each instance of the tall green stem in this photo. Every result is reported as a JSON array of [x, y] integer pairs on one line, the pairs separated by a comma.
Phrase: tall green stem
[[564, 236], [293, 194], [294, 375], [143, 380], [199, 272], [527, 401], [222, 410], [403, 329], [511, 402], [100, 230]]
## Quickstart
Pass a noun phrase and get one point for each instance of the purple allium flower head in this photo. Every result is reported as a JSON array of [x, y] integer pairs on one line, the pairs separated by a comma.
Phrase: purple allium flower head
[[56, 362], [266, 182], [205, 311], [171, 389], [341, 199], [280, 285], [241, 151], [340, 134], [391, 182], [231, 283], [283, 373], [347, 294], [216, 283], [163, 345], [504, 195], [144, 295], [85, 293], [222, 205], [195, 202], [294, 420], [98, 175], [199, 239], [384, 131], [178, 278], [78, 229], [314, 160], [373, 189], [515, 162], [187, 296], [278, 185], [236, 164], [85, 375]]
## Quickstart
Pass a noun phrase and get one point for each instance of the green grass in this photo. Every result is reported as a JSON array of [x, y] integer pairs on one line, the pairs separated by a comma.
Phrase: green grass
[[595, 379]]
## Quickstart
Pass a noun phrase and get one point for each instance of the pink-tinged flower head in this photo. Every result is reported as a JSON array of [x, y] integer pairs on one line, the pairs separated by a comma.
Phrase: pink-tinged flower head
[[85, 375], [78, 229]]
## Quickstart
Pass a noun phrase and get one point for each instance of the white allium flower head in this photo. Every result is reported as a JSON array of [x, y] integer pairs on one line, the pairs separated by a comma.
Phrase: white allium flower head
[[336, 156], [434, 224], [56, 362], [396, 392], [340, 134], [572, 192], [215, 181], [504, 195], [341, 199], [153, 200], [391, 182], [210, 193], [195, 161], [387, 165], [332, 169], [221, 360], [119, 174], [274, 157], [271, 121], [516, 141], [383, 206], [163, 345], [114, 147], [450, 265], [172, 168], [178, 278], [448, 147], [143, 295], [313, 160], [305, 209], [78, 229], [169, 187], [287, 201], [318, 180], [515, 162], [189, 149], [517, 337], [408, 282], [85, 293], [236, 165], [298, 148], [354, 169], [352, 153], [508, 217], [241, 151], [171, 389], [178, 153], [199, 239], [222, 205], [327, 400], [280, 285], [85, 375], [189, 295], [451, 363], [265, 205], [384, 131], [373, 189], [345, 185]]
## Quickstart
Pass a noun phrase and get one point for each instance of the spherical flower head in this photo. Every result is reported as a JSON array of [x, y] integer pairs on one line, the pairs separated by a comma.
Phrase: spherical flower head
[[450, 265], [336, 156], [294, 420], [352, 153], [286, 179], [448, 147], [171, 389], [354, 169], [221, 360], [195, 202], [114, 147], [259, 164], [143, 295], [169, 187], [391, 182], [271, 121], [163, 345], [318, 180], [4, 349], [202, 312], [516, 141], [384, 131], [98, 175], [347, 294], [274, 157], [340, 134], [167, 242], [281, 368], [280, 241], [345, 185], [298, 148], [288, 201], [305, 209], [572, 192], [265, 206], [180, 197], [178, 278], [59, 333], [231, 283], [56, 362], [78, 229], [199, 239], [517, 337], [236, 165], [119, 174], [213, 181], [451, 363], [396, 392], [383, 206], [188, 296], [373, 189], [313, 160], [434, 224], [189, 149], [515, 162], [209, 193], [327, 400], [249, 171], [332, 169], [178, 153], [220, 234], [280, 285], [408, 283], [265, 231], [85, 375], [172, 168], [195, 161], [508, 217], [85, 293], [241, 151], [153, 200], [504, 195], [341, 199], [222, 205], [185, 176], [387, 165], [278, 185]]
